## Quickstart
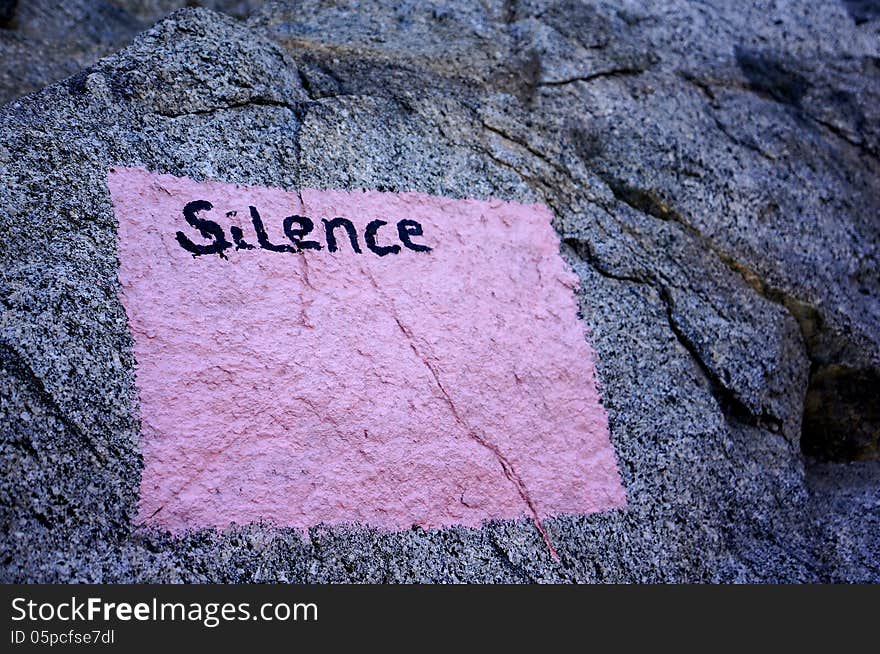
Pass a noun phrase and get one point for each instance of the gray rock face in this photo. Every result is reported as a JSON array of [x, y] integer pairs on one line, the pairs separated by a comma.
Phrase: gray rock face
[[714, 172], [43, 41]]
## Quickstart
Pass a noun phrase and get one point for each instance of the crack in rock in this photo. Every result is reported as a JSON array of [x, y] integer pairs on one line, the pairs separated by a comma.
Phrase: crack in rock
[[258, 102], [615, 72], [19, 365], [506, 465], [730, 404], [727, 398]]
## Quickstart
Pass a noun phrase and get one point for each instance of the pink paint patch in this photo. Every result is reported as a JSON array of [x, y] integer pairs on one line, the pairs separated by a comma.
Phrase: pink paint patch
[[430, 388]]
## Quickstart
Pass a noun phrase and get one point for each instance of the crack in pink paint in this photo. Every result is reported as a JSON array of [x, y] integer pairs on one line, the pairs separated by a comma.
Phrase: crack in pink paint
[[506, 466], [273, 389]]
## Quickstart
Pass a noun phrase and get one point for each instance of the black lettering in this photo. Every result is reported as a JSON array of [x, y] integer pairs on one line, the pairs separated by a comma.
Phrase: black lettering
[[263, 238], [408, 228], [331, 225], [295, 235], [370, 239], [238, 238], [207, 228]]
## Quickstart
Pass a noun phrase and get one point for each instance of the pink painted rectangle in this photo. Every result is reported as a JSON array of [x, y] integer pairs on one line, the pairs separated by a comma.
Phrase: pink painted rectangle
[[438, 377]]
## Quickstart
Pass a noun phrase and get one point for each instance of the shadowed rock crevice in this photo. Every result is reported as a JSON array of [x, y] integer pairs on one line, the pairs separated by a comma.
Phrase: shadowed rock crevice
[[862, 11], [7, 13], [841, 417], [719, 220], [727, 399], [842, 414], [731, 399], [828, 103], [770, 77]]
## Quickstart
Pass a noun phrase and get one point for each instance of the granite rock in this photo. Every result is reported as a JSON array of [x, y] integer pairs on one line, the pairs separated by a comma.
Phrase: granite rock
[[42, 42], [713, 174]]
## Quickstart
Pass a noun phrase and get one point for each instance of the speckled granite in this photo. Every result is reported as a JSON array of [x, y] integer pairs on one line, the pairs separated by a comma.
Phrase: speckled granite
[[712, 169]]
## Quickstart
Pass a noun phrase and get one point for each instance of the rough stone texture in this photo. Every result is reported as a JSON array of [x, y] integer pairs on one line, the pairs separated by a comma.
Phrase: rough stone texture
[[43, 41], [713, 169]]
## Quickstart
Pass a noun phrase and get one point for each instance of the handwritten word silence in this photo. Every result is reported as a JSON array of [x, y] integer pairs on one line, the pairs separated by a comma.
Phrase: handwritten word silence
[[296, 229]]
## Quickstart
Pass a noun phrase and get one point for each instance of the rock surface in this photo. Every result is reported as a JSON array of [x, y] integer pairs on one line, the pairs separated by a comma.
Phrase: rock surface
[[713, 170], [43, 41]]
